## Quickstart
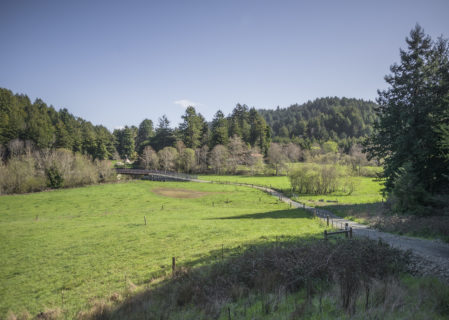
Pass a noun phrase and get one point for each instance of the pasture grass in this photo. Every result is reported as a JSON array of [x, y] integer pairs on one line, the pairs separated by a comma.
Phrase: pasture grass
[[366, 190], [64, 248]]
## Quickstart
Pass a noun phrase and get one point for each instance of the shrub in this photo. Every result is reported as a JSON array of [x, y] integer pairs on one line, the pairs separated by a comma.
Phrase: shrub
[[54, 177], [315, 179]]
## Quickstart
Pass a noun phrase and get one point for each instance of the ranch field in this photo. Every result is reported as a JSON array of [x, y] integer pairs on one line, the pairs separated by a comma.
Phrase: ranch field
[[62, 249]]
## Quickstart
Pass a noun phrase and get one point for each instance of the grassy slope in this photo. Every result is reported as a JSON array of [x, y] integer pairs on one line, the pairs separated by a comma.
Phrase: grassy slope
[[87, 242]]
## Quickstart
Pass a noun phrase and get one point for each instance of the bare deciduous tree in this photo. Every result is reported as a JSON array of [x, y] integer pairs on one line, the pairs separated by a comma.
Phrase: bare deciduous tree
[[149, 158], [276, 157], [255, 160], [167, 158], [16, 147], [201, 155], [218, 157], [292, 151], [238, 151]]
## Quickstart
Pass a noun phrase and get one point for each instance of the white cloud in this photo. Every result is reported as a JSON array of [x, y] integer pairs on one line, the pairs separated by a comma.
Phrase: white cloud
[[186, 103]]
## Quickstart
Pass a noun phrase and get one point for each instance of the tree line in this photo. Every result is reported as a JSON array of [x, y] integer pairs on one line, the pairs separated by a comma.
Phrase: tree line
[[329, 119], [194, 132], [48, 128]]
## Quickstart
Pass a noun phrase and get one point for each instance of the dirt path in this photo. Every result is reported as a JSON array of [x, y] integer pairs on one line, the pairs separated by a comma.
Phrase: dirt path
[[431, 257]]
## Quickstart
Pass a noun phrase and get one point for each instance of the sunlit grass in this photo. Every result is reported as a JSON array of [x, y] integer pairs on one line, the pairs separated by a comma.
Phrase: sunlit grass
[[62, 248], [366, 189]]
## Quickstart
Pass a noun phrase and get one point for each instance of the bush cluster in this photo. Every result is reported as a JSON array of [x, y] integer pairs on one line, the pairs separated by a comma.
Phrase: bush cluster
[[319, 179], [37, 170]]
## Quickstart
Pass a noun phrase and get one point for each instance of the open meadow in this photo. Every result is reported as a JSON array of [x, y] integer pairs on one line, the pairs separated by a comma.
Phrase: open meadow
[[64, 248], [366, 189]]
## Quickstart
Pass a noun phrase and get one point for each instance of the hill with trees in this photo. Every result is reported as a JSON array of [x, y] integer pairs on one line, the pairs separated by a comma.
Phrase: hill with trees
[[342, 120]]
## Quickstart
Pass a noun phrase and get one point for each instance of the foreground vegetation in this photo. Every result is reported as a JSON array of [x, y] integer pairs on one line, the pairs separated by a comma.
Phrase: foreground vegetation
[[62, 248], [294, 279]]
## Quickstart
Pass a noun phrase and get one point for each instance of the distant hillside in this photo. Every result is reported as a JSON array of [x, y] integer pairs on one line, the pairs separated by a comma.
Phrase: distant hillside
[[338, 119]]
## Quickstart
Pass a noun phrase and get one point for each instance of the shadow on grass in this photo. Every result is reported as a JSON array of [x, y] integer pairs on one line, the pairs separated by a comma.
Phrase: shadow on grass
[[259, 270], [279, 214]]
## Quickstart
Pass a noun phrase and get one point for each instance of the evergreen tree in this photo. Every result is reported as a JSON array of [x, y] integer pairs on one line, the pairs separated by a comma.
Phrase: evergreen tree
[[164, 136], [191, 128], [219, 134], [144, 134], [410, 110]]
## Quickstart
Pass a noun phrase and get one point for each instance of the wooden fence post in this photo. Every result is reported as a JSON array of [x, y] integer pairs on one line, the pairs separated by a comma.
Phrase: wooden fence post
[[173, 264], [325, 234], [327, 220], [350, 233]]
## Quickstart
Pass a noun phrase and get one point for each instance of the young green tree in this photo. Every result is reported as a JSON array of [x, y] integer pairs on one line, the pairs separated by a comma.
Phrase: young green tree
[[125, 142], [144, 134], [410, 110], [259, 132], [219, 129], [191, 128]]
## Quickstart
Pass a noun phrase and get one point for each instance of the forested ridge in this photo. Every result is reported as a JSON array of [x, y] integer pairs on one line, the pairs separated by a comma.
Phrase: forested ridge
[[44, 126], [338, 119], [344, 120]]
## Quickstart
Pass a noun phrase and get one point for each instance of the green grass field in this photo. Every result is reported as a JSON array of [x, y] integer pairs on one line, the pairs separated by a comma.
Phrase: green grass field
[[59, 249], [279, 182], [367, 190]]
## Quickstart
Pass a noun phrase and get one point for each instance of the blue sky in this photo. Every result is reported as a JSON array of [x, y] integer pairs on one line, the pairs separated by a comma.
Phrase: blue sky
[[116, 63]]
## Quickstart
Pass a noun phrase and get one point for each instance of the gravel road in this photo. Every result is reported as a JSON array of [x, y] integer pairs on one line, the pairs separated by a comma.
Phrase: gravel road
[[429, 257]]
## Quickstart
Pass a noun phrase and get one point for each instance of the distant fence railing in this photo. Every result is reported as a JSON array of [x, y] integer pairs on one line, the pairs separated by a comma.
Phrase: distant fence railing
[[317, 213], [144, 172]]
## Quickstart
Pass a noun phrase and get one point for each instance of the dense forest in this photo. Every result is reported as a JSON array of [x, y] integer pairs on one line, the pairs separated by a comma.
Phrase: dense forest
[[22, 121], [342, 120]]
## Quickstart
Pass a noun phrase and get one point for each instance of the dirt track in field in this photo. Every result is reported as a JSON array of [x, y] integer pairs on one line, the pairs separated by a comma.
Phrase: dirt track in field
[[181, 193]]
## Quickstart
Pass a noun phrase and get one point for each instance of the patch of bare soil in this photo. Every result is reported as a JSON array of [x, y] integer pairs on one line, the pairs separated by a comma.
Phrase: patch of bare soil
[[181, 193]]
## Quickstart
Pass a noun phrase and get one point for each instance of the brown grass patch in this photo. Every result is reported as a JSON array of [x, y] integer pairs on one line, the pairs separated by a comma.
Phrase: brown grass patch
[[181, 193]]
